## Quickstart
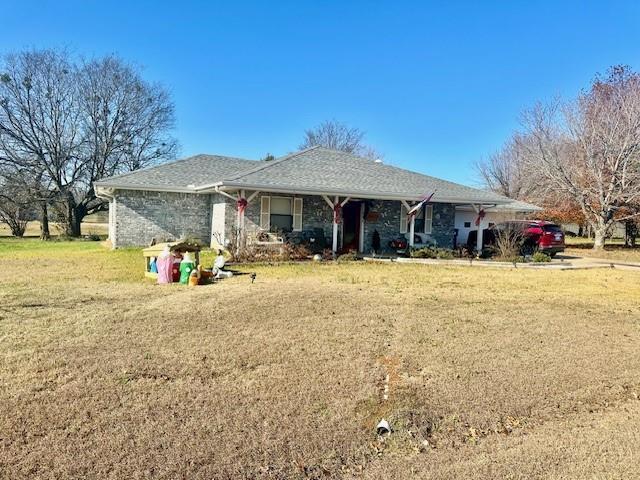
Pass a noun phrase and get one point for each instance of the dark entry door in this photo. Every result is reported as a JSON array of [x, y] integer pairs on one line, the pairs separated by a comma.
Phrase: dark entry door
[[351, 226]]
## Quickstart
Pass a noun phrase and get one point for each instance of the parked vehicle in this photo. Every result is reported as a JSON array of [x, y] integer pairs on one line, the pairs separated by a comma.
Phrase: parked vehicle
[[537, 235]]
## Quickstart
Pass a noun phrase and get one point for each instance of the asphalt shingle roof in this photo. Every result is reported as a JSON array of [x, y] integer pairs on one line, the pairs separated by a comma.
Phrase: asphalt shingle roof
[[182, 174], [321, 169], [313, 170]]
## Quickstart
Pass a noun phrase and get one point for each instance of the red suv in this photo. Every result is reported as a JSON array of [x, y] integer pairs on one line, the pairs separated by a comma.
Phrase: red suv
[[537, 235]]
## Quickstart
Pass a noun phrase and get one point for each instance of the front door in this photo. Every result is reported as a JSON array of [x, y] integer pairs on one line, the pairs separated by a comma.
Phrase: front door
[[351, 226]]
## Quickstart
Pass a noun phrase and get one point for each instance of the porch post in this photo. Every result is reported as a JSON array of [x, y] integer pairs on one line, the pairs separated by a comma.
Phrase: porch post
[[335, 227], [238, 229], [412, 224], [241, 221], [478, 208], [242, 195], [361, 233]]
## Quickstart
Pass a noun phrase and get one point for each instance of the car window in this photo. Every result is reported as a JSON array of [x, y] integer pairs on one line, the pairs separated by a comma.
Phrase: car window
[[552, 228]]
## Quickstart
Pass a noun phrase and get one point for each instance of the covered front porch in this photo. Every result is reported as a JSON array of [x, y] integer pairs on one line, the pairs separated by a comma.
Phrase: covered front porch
[[341, 223]]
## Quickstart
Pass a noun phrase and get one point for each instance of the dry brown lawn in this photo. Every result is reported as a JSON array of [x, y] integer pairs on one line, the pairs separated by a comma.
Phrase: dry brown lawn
[[614, 250], [493, 373], [613, 253]]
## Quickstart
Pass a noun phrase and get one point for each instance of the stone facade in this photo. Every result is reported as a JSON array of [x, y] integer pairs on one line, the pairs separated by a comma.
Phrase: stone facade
[[443, 224], [315, 214], [384, 216], [143, 215]]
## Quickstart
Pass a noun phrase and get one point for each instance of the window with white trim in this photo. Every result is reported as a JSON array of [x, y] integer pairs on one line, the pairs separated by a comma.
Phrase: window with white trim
[[428, 218], [265, 208], [281, 213], [404, 219], [422, 223], [419, 221], [297, 214]]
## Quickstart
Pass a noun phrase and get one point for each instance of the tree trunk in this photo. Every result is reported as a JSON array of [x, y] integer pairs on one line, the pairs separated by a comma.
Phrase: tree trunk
[[76, 224], [600, 233], [73, 223], [44, 222], [74, 216], [630, 232]]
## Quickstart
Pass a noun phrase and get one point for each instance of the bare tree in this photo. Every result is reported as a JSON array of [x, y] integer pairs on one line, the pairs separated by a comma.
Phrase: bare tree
[[15, 206], [588, 150], [69, 125], [30, 182], [505, 173], [339, 136], [40, 122], [125, 125]]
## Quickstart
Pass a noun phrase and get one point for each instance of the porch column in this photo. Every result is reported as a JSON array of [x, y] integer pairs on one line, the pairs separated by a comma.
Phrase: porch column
[[335, 207], [478, 209], [240, 219], [242, 196], [412, 228], [238, 228], [361, 233], [335, 226], [241, 204]]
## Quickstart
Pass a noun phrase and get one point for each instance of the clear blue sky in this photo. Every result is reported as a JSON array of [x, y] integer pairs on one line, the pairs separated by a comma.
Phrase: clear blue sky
[[436, 85]]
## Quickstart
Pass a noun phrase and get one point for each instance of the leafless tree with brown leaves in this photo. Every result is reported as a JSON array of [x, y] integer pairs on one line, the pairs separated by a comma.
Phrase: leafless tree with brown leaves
[[589, 150]]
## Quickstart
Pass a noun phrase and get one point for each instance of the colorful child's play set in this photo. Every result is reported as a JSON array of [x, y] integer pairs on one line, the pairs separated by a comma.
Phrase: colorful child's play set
[[179, 262]]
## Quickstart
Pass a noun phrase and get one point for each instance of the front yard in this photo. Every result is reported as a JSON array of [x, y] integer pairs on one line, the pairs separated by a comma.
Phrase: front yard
[[614, 250], [492, 373]]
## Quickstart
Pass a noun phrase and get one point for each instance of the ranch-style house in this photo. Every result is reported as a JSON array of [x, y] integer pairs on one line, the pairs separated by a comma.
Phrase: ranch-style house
[[342, 201]]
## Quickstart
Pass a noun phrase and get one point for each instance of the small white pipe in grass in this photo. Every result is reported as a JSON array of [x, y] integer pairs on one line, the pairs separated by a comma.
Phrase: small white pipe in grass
[[383, 427]]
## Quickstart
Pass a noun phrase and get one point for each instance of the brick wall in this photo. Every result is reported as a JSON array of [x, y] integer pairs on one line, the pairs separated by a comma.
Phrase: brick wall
[[143, 215]]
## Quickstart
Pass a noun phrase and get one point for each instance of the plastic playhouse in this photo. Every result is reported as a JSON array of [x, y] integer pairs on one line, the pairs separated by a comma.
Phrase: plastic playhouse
[[179, 262]]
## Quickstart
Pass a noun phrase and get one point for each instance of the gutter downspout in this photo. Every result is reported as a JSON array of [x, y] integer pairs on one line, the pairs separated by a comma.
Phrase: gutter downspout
[[100, 193]]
